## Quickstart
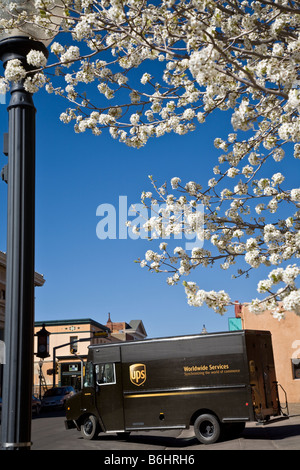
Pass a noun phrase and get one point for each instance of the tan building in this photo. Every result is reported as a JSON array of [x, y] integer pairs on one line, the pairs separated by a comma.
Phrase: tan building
[[68, 348], [68, 358], [38, 280], [286, 346]]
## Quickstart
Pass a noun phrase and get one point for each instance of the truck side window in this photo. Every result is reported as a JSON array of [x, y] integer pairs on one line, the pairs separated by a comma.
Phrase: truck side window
[[105, 374], [88, 379]]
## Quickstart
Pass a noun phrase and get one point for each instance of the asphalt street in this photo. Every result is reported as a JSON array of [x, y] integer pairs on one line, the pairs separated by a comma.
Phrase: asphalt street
[[49, 433]]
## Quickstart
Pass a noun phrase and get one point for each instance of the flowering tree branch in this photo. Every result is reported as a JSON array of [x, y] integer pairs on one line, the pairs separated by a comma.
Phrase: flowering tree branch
[[194, 57]]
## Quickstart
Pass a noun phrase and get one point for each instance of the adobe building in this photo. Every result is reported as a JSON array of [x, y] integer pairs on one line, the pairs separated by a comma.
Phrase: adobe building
[[286, 346]]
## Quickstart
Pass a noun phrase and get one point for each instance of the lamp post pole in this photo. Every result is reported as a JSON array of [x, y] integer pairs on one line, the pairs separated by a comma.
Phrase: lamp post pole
[[41, 362], [19, 313]]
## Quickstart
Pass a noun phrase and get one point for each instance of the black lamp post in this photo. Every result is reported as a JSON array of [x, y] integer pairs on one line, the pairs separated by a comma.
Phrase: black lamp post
[[19, 313]]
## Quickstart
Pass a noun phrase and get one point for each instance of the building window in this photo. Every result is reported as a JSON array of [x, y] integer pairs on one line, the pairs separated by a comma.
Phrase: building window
[[296, 368]]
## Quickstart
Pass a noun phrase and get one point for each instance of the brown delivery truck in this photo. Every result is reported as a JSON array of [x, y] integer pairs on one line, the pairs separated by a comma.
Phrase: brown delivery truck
[[214, 382]]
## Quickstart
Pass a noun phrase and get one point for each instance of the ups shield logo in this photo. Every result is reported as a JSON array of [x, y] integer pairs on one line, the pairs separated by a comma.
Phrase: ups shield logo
[[137, 374]]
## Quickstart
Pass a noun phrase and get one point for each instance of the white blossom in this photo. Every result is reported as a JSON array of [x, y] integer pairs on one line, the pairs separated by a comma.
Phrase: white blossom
[[175, 182], [4, 86], [36, 58], [295, 194], [14, 70]]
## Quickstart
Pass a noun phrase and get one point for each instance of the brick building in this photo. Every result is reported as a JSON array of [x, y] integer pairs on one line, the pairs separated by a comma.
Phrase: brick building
[[127, 331]]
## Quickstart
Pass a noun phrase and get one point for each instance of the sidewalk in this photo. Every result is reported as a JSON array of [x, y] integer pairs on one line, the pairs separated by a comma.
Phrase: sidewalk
[[294, 409], [278, 435]]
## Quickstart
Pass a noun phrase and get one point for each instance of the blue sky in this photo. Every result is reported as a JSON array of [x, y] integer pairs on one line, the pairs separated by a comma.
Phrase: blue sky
[[87, 277]]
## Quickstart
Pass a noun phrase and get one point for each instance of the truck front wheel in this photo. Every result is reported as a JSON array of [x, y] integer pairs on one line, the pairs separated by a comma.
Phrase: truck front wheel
[[207, 429], [90, 427]]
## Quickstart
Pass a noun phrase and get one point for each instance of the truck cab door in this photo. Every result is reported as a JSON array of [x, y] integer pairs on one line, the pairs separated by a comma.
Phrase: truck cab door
[[88, 391], [109, 395]]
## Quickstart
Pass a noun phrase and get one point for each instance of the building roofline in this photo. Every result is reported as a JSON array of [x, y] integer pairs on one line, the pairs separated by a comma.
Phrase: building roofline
[[74, 321], [137, 325], [39, 279], [2, 259]]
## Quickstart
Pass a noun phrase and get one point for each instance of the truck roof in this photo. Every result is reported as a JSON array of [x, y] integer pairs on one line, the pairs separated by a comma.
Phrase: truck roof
[[178, 338]]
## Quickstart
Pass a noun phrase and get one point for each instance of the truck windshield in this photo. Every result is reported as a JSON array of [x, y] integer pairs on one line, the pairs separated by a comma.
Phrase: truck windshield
[[88, 379]]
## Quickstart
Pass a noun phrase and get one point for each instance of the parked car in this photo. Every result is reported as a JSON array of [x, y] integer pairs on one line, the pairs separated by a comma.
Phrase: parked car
[[36, 405], [56, 397]]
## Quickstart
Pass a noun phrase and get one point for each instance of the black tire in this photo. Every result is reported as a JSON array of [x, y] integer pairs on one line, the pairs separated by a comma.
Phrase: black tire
[[207, 429], [90, 428]]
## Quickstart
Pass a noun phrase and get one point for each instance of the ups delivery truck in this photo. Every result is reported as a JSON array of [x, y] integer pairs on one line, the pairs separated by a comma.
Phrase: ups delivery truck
[[213, 382]]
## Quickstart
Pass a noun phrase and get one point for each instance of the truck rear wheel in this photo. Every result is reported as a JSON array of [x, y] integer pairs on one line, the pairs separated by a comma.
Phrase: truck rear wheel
[[90, 428], [207, 429]]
